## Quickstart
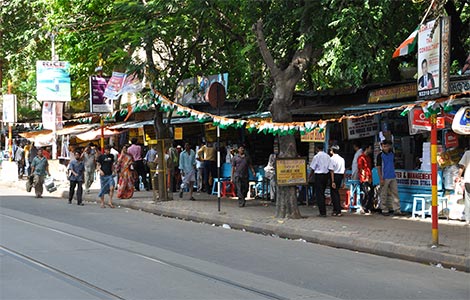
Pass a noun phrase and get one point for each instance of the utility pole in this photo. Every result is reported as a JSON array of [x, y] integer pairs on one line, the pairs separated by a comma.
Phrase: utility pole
[[54, 104]]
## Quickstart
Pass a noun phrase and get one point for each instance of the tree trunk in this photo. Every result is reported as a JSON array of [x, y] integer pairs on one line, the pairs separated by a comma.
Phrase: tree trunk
[[286, 201]]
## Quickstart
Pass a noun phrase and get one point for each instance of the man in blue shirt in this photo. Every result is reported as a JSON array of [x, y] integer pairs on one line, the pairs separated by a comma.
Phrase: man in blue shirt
[[388, 181], [76, 169]]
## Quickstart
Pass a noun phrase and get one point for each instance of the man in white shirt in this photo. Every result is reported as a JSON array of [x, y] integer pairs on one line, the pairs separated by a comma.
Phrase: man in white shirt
[[358, 151], [319, 165], [337, 169], [464, 166]]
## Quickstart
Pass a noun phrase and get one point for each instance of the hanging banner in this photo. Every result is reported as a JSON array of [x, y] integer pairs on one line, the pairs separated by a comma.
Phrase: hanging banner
[[53, 80], [195, 90], [9, 108], [433, 59], [99, 103], [114, 85], [52, 118], [451, 140], [362, 127], [418, 121]]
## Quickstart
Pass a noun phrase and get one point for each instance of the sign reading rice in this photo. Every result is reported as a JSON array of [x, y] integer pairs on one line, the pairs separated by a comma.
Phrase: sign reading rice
[[291, 171]]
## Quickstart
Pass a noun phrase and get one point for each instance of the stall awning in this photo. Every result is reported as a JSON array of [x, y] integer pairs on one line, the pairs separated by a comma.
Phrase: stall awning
[[96, 134], [77, 129]]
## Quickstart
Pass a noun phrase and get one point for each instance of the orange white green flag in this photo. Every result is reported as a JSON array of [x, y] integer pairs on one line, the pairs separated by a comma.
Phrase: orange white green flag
[[408, 45]]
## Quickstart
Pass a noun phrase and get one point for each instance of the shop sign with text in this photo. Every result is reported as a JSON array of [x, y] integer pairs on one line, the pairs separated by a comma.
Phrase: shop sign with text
[[363, 127]]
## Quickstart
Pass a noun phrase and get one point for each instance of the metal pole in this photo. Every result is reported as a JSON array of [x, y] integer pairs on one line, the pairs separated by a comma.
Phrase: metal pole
[[54, 106], [102, 133], [10, 134], [218, 154], [435, 232]]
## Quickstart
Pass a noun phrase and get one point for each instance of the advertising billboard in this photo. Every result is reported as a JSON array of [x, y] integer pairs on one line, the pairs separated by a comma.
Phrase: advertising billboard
[[99, 103], [53, 80]]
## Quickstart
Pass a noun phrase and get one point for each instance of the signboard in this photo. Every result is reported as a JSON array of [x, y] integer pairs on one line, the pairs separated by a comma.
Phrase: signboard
[[460, 86], [9, 108], [451, 140], [178, 133], [418, 121], [362, 127], [313, 136], [461, 122], [392, 93], [98, 103], [53, 80], [413, 178], [433, 59], [195, 90], [114, 85], [291, 171]]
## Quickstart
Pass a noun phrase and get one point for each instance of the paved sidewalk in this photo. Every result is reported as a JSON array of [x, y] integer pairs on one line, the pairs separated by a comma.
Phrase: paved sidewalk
[[397, 237]]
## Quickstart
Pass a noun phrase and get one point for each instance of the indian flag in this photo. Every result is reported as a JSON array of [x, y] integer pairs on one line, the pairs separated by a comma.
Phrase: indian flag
[[408, 45]]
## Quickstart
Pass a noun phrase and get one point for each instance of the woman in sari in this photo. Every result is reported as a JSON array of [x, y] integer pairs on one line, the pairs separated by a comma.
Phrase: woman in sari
[[126, 175]]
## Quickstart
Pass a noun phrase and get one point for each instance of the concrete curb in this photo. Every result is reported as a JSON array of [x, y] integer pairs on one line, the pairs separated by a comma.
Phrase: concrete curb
[[337, 240]]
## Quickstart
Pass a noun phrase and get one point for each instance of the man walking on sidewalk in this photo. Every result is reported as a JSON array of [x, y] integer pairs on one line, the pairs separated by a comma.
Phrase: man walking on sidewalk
[[337, 169], [89, 161], [76, 169], [319, 165], [187, 165], [388, 181], [39, 168], [136, 152], [105, 168], [240, 165]]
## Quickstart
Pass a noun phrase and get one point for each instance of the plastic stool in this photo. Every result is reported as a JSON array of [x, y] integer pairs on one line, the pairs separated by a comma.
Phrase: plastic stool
[[228, 189]]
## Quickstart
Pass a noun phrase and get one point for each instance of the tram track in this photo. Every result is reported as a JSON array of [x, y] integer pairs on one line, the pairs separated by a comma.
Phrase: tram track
[[105, 294]]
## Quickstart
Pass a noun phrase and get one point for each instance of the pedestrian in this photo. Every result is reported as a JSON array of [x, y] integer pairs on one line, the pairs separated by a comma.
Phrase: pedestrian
[[27, 151], [172, 164], [269, 173], [33, 152], [337, 169], [240, 165], [39, 168], [208, 154], [20, 160], [357, 152], [89, 160], [200, 169], [127, 174], [76, 170], [105, 168], [464, 168], [389, 198], [319, 165], [136, 152], [364, 167], [150, 164], [187, 166]]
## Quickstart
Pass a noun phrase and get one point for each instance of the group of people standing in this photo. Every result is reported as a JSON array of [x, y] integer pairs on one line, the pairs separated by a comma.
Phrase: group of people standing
[[329, 168]]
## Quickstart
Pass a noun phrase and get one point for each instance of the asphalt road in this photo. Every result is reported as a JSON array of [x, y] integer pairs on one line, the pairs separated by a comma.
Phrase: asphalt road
[[52, 250]]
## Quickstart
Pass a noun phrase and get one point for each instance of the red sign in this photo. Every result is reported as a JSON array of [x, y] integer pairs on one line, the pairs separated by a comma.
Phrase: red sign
[[451, 139], [440, 123], [420, 121]]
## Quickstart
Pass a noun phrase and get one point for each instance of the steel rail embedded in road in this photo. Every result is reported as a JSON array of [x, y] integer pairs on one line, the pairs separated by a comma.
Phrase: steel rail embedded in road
[[188, 269], [61, 275]]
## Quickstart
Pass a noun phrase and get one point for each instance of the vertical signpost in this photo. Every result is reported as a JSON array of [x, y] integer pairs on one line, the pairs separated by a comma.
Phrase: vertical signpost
[[433, 82], [216, 96]]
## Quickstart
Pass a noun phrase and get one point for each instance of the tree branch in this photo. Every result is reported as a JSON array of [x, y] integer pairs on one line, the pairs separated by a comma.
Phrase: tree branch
[[265, 53]]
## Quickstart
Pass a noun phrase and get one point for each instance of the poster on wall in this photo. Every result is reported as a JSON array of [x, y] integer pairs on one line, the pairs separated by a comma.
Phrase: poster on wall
[[98, 102], [194, 90], [362, 127], [9, 108], [433, 59], [52, 118], [53, 80]]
